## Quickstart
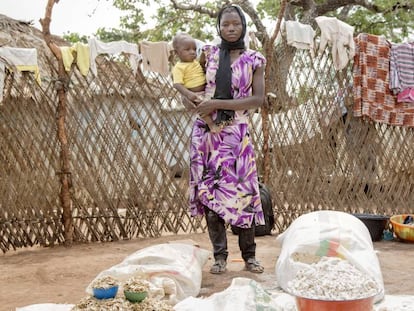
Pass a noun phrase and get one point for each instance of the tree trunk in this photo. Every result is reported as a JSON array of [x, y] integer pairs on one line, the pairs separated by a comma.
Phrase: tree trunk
[[62, 82]]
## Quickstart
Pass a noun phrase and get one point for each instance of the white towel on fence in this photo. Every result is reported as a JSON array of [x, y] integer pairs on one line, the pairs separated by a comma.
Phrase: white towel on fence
[[2, 76], [23, 59], [155, 56], [97, 47], [300, 35], [340, 36]]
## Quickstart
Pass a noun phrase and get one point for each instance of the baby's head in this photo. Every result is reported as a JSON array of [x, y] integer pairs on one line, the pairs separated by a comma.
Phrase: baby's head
[[185, 47]]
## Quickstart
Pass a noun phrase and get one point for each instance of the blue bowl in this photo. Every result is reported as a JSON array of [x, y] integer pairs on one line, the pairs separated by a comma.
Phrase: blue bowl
[[105, 293]]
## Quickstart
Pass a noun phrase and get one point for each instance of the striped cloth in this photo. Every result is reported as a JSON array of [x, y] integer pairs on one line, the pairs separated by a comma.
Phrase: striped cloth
[[402, 71], [402, 67], [373, 98]]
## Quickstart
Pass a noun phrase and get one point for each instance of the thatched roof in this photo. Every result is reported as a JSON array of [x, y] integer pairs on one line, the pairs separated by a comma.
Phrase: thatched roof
[[21, 34]]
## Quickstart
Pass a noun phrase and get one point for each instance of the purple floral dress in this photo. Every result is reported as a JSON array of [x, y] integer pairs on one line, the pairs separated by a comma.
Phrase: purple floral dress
[[223, 173]]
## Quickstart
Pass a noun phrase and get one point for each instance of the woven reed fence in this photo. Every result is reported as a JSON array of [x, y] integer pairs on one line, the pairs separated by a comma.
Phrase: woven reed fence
[[129, 137]]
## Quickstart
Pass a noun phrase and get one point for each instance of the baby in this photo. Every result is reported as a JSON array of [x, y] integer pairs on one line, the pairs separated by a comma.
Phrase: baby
[[188, 75]]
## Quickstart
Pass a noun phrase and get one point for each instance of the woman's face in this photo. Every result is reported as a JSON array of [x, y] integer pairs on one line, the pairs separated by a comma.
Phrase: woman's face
[[231, 26]]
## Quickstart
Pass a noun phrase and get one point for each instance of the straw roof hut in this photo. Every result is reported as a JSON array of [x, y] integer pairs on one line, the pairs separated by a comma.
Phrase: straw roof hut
[[22, 34], [121, 142]]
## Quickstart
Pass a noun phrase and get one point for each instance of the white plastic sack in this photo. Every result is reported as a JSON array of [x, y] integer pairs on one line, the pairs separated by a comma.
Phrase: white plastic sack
[[242, 295], [326, 233], [47, 307], [396, 303], [173, 269], [284, 302]]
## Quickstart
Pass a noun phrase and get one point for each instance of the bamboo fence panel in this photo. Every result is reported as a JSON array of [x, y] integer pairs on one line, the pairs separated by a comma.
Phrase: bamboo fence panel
[[129, 139]]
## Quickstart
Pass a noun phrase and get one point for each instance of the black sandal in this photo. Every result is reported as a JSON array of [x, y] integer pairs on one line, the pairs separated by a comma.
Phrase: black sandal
[[253, 266], [219, 267]]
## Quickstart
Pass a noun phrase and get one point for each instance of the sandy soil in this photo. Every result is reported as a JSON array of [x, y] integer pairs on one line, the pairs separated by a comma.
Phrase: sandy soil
[[61, 274]]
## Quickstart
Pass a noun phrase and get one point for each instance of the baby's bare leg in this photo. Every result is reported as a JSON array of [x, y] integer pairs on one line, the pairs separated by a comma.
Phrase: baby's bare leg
[[214, 128]]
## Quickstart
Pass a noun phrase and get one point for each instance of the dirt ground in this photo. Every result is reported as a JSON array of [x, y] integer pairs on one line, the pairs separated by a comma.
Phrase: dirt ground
[[61, 274]]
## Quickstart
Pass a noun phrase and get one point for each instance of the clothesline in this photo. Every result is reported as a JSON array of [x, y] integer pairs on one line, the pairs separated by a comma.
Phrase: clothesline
[[386, 96], [153, 55], [397, 80]]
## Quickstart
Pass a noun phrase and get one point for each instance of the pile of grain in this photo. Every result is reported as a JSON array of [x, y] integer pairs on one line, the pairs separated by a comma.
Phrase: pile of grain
[[332, 278]]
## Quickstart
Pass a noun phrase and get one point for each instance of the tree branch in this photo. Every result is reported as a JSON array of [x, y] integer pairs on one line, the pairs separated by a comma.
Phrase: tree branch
[[312, 9], [331, 5], [248, 8], [64, 174], [244, 4], [194, 7], [45, 22]]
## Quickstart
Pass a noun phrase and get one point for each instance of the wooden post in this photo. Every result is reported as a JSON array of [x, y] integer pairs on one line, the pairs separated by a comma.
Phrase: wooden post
[[269, 50], [62, 82]]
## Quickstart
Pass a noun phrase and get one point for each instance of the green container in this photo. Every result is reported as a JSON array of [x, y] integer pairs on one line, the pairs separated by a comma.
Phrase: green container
[[135, 296]]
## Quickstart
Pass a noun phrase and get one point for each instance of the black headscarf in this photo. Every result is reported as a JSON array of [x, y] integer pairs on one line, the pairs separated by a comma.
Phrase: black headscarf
[[223, 74]]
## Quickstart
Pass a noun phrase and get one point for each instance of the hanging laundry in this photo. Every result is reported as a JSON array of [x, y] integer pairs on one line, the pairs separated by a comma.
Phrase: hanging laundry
[[97, 47], [23, 59], [340, 36], [402, 71], [82, 53], [371, 75], [2, 76], [299, 35], [155, 56], [199, 47], [406, 96]]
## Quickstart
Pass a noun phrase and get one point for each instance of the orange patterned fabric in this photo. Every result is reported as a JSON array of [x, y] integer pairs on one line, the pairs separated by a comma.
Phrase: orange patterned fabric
[[371, 73]]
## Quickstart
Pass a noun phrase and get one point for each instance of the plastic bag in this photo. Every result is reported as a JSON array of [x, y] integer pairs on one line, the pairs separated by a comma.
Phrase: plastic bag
[[47, 307], [327, 233], [242, 295], [173, 269]]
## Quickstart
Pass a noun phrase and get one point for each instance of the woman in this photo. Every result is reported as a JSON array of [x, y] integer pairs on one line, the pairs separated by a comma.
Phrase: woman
[[223, 182]]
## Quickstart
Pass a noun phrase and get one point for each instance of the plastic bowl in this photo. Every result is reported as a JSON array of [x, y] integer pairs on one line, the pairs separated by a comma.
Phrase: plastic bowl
[[376, 224], [403, 232], [135, 296], [308, 304], [105, 293]]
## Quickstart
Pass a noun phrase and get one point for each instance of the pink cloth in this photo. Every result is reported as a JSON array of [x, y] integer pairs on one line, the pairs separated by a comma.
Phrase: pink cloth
[[406, 96]]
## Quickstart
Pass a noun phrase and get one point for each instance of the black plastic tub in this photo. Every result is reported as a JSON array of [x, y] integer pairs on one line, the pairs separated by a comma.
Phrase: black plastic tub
[[376, 224]]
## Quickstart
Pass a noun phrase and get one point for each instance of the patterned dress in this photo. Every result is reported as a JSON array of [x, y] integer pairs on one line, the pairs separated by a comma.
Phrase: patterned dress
[[223, 173]]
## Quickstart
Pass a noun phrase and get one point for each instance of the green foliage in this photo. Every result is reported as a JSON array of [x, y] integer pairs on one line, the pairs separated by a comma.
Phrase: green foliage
[[74, 37], [108, 35], [393, 21], [158, 20], [164, 22], [268, 8]]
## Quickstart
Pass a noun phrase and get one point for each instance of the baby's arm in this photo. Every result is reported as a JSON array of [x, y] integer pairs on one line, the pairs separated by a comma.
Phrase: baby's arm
[[193, 97]]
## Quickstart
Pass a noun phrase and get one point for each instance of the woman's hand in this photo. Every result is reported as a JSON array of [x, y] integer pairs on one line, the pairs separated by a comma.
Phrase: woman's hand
[[206, 107]]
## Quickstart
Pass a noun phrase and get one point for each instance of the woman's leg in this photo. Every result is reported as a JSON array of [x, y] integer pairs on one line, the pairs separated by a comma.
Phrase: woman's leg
[[218, 237], [247, 244], [248, 249]]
